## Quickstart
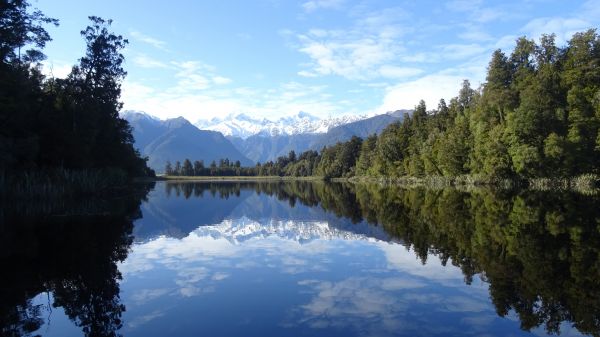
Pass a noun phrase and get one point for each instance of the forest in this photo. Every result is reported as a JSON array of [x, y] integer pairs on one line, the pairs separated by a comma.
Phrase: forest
[[536, 115], [61, 129]]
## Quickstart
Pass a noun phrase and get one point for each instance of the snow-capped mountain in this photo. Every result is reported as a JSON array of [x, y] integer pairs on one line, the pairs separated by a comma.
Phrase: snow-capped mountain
[[136, 116], [244, 126], [176, 139], [244, 229]]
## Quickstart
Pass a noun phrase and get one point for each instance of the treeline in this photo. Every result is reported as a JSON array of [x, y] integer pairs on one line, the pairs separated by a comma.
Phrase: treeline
[[197, 168], [537, 115], [332, 161], [49, 124]]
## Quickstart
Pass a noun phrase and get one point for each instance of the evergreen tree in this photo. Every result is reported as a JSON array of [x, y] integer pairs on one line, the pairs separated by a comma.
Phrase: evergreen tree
[[187, 169], [168, 168], [198, 167], [177, 171]]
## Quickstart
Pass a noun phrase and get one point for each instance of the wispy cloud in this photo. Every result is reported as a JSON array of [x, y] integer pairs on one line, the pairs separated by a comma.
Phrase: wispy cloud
[[145, 61], [196, 95], [313, 5], [156, 43], [564, 28], [357, 53], [477, 12], [399, 72]]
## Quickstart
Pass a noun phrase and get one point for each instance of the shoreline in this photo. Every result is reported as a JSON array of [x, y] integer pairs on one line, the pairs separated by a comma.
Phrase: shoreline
[[587, 183]]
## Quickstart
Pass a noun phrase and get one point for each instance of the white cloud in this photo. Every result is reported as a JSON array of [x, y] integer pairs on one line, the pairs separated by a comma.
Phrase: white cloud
[[56, 70], [313, 5], [156, 43], [220, 80], [564, 28], [430, 88], [399, 72], [476, 12], [196, 95], [353, 59], [356, 53], [145, 61], [305, 73], [475, 32], [462, 51]]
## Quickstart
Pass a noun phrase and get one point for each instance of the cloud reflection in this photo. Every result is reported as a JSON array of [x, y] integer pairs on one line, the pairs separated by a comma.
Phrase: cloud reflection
[[374, 302]]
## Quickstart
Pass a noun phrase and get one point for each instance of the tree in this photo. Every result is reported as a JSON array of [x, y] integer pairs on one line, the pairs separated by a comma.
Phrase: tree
[[21, 97], [100, 71], [177, 170], [187, 169], [168, 168], [582, 78], [498, 87], [466, 95], [90, 98], [20, 29], [292, 156], [213, 168], [198, 168]]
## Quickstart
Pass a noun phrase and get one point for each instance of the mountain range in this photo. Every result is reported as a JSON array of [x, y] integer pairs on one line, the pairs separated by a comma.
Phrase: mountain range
[[248, 140], [262, 147], [177, 139], [244, 126]]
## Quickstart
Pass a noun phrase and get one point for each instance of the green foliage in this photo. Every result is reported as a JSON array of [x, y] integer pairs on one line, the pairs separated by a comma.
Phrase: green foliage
[[537, 115], [70, 123]]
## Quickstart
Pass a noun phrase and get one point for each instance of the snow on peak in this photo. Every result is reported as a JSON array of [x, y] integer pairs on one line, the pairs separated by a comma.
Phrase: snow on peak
[[244, 126], [244, 229], [137, 115]]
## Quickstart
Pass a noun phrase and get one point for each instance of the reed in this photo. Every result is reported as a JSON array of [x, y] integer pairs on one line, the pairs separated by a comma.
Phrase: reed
[[586, 183], [60, 183]]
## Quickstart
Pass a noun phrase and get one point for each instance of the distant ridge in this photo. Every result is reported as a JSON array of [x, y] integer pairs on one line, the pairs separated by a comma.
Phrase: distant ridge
[[177, 139], [261, 147], [244, 126]]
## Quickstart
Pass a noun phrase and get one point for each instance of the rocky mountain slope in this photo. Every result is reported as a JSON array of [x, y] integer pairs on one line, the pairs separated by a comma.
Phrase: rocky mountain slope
[[244, 126], [177, 139]]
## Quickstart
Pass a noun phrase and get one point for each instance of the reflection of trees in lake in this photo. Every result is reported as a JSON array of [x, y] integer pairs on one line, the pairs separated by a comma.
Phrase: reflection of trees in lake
[[74, 257], [538, 251]]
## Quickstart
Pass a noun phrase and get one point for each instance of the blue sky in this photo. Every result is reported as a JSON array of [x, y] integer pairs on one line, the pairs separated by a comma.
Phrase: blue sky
[[271, 58]]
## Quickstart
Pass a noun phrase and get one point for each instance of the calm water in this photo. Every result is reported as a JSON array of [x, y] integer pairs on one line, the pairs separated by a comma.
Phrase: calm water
[[302, 259]]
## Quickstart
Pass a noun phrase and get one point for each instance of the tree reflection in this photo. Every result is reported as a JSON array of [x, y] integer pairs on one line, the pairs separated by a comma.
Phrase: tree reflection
[[539, 252], [72, 253]]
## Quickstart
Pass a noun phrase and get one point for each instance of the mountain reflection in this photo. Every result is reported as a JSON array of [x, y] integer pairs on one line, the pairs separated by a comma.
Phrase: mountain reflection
[[318, 259], [537, 251], [68, 251]]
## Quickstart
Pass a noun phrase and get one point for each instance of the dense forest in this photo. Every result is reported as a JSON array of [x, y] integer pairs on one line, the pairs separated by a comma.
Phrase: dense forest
[[51, 126], [537, 115]]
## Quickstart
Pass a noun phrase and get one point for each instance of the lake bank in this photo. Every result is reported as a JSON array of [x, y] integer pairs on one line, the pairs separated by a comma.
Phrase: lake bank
[[587, 183]]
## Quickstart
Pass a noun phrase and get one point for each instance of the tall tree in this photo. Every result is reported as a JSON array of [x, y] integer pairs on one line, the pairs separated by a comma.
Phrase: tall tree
[[20, 29], [187, 169]]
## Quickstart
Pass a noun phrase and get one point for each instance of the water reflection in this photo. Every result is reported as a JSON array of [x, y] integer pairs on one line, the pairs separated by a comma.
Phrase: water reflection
[[68, 252], [312, 259], [537, 251]]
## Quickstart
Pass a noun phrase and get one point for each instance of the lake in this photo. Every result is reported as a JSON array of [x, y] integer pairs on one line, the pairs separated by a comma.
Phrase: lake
[[302, 259]]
